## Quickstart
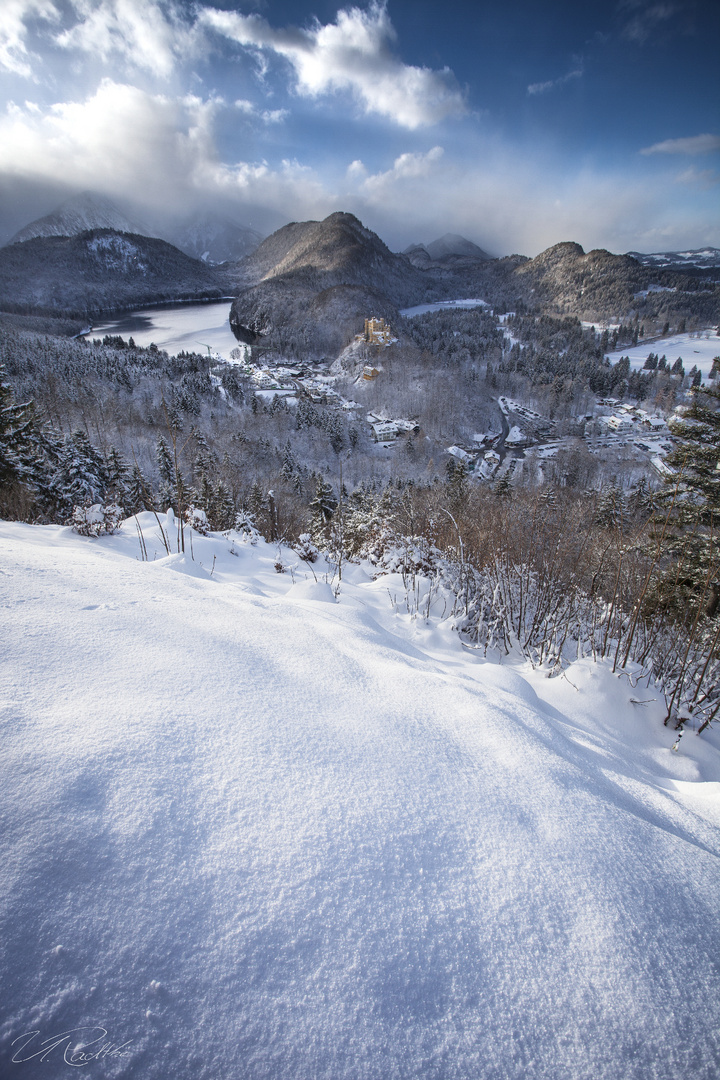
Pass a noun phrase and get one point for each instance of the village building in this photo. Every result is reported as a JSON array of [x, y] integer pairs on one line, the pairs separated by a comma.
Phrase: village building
[[385, 431], [461, 455]]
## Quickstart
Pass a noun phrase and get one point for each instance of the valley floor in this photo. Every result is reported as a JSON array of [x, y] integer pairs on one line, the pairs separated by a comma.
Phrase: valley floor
[[252, 830]]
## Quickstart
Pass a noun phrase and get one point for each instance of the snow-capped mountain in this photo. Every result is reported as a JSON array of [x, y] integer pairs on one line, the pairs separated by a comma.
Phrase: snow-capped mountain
[[215, 239], [700, 258], [448, 248], [80, 214]]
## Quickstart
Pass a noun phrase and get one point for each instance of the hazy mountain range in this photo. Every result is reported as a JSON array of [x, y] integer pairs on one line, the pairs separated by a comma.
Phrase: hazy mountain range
[[316, 281], [210, 237], [450, 249], [310, 285], [699, 259], [78, 214], [214, 239]]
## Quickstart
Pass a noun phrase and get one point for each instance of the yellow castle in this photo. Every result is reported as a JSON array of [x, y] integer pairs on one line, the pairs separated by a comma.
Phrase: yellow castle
[[377, 332]]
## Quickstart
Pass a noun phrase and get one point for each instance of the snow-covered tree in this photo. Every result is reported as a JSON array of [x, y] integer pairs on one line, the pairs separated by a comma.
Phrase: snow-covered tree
[[81, 477]]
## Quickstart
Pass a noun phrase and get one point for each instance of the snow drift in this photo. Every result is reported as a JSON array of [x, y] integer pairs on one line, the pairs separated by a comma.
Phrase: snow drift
[[250, 829]]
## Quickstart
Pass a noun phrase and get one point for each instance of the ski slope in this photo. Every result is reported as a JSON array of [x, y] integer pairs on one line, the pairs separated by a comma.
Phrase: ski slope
[[250, 830]]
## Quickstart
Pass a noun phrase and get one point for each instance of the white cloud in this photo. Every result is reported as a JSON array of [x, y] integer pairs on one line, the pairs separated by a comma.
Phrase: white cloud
[[356, 171], [351, 54], [406, 168], [143, 33], [120, 140], [268, 116], [157, 150], [543, 87], [507, 203], [161, 152], [647, 18], [694, 144], [14, 14], [705, 178]]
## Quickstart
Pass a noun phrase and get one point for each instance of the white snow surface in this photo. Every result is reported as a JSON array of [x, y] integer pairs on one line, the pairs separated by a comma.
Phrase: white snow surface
[[441, 305], [192, 327], [252, 830], [698, 347]]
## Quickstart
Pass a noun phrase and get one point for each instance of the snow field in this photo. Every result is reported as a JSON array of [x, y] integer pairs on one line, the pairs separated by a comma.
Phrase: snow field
[[441, 305], [190, 326], [697, 348], [259, 832]]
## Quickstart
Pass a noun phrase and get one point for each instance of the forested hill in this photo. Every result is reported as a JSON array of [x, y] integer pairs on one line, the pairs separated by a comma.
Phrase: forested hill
[[99, 271], [337, 251], [318, 280], [602, 286], [309, 286]]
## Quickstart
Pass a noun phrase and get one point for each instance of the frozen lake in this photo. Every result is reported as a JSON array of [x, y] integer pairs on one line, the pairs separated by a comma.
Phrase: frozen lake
[[191, 327], [442, 305], [697, 347]]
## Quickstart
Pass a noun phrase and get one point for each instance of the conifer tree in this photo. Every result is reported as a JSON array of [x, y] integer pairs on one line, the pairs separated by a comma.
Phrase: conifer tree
[[138, 495], [694, 491], [81, 477], [221, 511], [204, 460], [322, 507], [17, 437], [611, 509], [164, 462], [501, 487], [289, 463], [118, 477], [457, 475]]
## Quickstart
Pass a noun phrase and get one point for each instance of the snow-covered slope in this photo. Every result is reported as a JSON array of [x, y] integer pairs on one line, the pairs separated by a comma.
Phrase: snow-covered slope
[[77, 215], [215, 239], [252, 831], [699, 258]]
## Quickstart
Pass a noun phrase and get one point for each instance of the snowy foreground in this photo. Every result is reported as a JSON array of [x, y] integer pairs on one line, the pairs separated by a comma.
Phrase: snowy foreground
[[252, 831]]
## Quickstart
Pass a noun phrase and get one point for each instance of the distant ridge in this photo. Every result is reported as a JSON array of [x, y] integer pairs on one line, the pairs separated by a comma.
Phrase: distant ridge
[[77, 215], [451, 249], [597, 285], [214, 239], [698, 258]]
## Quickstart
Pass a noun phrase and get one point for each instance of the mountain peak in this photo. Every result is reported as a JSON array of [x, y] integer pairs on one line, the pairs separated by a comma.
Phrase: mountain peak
[[454, 244], [448, 248], [214, 238], [78, 214]]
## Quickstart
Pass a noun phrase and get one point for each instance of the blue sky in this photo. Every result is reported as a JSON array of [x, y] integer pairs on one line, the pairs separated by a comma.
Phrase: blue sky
[[516, 124]]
